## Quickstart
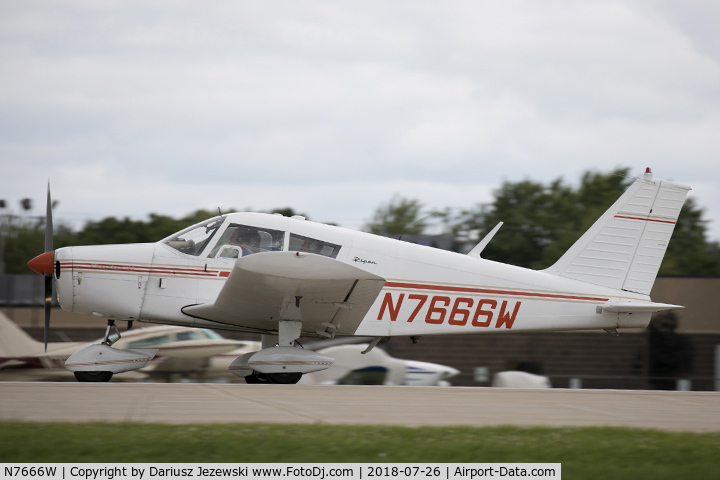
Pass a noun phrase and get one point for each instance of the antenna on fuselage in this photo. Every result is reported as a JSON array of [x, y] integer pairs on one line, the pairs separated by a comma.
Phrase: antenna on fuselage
[[415, 222], [475, 252]]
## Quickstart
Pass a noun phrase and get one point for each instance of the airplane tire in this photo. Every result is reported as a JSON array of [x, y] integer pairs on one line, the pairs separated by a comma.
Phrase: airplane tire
[[93, 376], [284, 378], [275, 378], [255, 378]]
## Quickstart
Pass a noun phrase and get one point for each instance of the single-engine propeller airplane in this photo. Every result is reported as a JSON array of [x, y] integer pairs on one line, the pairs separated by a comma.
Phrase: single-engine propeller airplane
[[286, 277]]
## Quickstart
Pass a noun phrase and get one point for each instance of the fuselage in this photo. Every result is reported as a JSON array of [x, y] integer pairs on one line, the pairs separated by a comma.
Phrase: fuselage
[[426, 291]]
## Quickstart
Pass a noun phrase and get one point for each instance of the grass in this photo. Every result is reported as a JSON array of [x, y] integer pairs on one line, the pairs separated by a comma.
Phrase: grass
[[586, 453]]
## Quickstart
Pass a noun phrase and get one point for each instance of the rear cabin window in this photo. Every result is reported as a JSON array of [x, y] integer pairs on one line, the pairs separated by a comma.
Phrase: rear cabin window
[[298, 243]]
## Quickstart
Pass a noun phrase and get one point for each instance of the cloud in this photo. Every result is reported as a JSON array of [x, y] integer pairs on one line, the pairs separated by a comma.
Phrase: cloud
[[138, 107]]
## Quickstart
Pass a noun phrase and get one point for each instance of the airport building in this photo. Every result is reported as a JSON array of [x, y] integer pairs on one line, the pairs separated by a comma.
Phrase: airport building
[[680, 349]]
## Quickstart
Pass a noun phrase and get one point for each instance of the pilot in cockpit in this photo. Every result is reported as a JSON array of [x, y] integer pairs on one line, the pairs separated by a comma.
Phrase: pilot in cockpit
[[248, 242], [242, 240], [238, 244]]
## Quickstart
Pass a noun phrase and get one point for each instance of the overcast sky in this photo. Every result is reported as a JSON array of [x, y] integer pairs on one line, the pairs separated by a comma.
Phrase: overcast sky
[[133, 107]]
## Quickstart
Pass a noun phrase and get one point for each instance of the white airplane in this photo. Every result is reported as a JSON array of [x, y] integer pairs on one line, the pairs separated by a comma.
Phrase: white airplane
[[203, 355], [376, 367], [286, 277], [518, 379], [180, 350]]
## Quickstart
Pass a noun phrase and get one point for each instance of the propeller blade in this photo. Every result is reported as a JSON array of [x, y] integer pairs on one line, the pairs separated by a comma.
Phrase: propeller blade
[[45, 263], [48, 306], [48, 275], [48, 223]]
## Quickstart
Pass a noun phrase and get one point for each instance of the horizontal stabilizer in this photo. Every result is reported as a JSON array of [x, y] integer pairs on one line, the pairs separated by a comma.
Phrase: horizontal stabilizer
[[638, 307]]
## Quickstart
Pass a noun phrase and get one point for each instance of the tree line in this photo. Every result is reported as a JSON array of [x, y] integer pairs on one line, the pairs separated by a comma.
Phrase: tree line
[[541, 221]]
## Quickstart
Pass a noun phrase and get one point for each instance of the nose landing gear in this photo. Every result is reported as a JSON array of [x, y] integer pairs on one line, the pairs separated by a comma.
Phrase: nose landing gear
[[98, 363]]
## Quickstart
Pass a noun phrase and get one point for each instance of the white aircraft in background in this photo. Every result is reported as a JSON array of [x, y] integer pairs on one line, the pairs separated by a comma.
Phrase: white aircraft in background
[[286, 277], [200, 354], [180, 351], [376, 367]]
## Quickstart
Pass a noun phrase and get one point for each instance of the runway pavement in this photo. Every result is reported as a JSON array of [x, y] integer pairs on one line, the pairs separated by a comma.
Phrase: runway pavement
[[357, 405]]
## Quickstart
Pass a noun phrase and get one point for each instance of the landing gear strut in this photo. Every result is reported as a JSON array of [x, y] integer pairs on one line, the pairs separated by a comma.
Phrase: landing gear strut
[[110, 325]]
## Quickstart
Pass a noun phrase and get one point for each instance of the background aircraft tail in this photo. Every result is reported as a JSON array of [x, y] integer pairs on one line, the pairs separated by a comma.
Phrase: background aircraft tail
[[14, 342], [624, 248]]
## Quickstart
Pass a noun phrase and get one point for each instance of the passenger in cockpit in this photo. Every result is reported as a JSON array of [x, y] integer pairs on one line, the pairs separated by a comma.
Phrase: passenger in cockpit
[[310, 246]]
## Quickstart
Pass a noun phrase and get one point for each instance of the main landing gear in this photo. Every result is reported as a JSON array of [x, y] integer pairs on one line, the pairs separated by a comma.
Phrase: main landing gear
[[280, 361]]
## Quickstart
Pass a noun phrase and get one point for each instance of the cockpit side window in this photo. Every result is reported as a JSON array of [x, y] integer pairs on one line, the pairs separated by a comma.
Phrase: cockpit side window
[[242, 240], [146, 342], [193, 240], [188, 335], [298, 243]]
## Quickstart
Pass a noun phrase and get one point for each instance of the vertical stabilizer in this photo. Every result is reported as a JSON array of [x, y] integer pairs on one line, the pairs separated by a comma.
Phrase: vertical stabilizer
[[624, 248], [14, 342]]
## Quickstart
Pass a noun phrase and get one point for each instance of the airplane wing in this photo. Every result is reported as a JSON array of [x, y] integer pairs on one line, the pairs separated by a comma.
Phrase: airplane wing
[[264, 288]]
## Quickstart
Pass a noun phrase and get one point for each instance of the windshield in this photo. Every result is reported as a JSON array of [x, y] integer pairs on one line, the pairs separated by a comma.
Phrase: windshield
[[193, 240]]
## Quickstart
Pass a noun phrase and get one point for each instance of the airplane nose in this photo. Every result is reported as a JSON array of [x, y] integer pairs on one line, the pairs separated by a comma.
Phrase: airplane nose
[[43, 264]]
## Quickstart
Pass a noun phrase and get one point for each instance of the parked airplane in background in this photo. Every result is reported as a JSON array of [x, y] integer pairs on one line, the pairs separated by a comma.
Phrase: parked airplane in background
[[180, 351], [199, 354], [377, 367], [286, 277], [23, 358]]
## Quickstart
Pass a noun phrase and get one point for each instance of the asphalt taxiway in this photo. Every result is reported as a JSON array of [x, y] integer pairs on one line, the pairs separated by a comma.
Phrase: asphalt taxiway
[[357, 405]]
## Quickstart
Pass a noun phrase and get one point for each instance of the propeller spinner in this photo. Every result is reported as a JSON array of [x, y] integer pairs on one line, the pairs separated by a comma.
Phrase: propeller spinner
[[43, 264]]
